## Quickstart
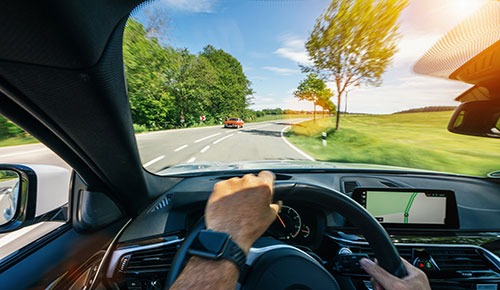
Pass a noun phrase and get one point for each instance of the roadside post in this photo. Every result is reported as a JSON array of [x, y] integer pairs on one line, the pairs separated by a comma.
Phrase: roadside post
[[323, 138]]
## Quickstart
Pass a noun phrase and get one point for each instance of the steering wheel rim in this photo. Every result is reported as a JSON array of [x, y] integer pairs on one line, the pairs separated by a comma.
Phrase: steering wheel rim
[[382, 246]]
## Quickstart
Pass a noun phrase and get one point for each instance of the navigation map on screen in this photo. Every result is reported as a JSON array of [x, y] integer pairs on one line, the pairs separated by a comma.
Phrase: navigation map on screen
[[406, 207]]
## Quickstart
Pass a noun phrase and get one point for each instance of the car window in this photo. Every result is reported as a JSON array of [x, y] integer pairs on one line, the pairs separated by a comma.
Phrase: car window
[[19, 147], [212, 62]]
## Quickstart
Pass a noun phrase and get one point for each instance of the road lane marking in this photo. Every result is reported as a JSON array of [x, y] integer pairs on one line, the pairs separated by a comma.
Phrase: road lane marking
[[153, 161], [180, 148], [221, 139], [204, 149], [191, 160], [205, 138], [24, 152], [293, 147]]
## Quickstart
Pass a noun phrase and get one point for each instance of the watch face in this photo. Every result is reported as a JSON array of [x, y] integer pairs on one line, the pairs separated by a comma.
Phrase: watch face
[[209, 244]]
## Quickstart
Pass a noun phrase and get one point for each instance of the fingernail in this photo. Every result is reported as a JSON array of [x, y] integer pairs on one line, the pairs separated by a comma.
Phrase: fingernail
[[366, 262]]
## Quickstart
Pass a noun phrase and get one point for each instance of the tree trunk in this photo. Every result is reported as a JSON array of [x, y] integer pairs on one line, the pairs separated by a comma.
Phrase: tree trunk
[[338, 112], [314, 113]]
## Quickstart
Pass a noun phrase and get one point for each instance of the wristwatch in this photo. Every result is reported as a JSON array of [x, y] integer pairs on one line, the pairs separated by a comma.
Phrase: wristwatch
[[216, 246]]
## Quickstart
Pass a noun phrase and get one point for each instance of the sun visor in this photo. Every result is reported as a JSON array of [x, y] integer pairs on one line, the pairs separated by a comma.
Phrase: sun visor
[[476, 93], [470, 52]]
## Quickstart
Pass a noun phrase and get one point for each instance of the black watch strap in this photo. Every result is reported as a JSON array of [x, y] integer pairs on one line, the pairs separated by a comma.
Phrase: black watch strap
[[213, 245], [235, 254]]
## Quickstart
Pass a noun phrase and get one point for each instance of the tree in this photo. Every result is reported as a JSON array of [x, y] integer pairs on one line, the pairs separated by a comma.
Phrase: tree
[[327, 105], [313, 89], [147, 66], [231, 94], [354, 41]]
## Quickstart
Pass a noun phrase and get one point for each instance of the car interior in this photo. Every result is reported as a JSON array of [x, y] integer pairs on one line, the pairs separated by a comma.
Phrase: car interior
[[62, 80]]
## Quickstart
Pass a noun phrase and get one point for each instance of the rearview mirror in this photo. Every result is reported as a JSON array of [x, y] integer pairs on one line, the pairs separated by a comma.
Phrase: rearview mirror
[[477, 118]]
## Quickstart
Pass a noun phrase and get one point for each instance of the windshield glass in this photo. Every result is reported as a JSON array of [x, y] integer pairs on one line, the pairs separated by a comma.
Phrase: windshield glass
[[308, 83]]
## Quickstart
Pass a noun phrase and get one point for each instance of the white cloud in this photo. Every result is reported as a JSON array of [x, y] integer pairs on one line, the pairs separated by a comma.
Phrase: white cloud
[[194, 6], [294, 50], [281, 70], [408, 92]]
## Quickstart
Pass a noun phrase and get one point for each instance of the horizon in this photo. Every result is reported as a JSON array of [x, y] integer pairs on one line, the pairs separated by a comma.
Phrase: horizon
[[271, 47]]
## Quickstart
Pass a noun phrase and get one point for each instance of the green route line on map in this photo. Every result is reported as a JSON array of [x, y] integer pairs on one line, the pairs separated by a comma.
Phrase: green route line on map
[[408, 206]]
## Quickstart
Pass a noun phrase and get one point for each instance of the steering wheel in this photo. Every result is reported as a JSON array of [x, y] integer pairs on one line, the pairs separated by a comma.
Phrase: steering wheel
[[266, 259]]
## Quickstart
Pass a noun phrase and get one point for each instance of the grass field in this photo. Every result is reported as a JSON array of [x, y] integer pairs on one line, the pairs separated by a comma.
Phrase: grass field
[[280, 117], [417, 140]]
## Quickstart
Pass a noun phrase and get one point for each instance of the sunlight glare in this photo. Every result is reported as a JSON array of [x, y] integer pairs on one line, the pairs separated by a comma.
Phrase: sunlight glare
[[463, 8]]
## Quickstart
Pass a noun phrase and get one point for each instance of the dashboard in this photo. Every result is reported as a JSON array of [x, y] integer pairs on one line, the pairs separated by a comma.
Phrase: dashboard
[[464, 255]]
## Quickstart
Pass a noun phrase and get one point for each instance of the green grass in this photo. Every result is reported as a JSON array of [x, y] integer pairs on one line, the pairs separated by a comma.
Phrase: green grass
[[18, 141], [416, 140], [279, 117]]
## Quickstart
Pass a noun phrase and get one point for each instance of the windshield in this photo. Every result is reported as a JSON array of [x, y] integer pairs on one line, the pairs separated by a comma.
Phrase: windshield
[[309, 83]]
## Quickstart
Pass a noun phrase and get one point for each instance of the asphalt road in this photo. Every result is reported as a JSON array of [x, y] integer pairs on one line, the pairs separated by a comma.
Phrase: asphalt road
[[255, 141]]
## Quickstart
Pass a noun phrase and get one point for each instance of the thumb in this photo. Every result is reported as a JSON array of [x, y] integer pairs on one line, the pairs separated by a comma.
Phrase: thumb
[[384, 278], [275, 207]]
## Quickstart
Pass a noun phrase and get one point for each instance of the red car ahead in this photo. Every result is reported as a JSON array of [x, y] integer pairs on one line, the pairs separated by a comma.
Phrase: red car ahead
[[233, 123]]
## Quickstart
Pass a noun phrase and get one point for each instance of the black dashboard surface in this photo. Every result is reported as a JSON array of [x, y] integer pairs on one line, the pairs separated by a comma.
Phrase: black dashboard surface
[[478, 200], [469, 253]]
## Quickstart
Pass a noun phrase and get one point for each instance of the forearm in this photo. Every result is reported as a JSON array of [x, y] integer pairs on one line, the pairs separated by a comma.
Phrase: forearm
[[206, 274]]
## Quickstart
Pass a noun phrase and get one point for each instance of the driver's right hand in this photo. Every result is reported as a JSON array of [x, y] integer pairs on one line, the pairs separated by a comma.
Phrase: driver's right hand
[[381, 279]]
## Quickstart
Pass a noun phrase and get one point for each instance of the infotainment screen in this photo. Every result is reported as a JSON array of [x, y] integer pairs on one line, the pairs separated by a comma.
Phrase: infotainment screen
[[407, 207]]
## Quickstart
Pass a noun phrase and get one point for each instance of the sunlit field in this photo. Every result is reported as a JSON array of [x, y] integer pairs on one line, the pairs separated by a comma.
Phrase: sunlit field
[[417, 140]]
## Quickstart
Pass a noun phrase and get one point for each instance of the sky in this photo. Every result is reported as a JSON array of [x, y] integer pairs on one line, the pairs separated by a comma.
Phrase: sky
[[268, 36]]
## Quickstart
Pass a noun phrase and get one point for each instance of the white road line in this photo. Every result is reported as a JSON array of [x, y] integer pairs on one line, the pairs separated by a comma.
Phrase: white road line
[[191, 160], [221, 139], [205, 138], [24, 152], [153, 161], [204, 149], [293, 147], [180, 148]]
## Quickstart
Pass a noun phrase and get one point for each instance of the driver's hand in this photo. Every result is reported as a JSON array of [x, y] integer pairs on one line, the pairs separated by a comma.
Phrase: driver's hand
[[381, 279], [242, 207]]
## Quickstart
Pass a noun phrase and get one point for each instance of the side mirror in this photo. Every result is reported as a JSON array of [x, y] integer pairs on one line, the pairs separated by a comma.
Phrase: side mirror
[[29, 192], [477, 118]]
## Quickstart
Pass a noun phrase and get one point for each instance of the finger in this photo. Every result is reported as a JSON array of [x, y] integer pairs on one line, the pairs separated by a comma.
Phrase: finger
[[275, 207], [378, 273], [267, 176]]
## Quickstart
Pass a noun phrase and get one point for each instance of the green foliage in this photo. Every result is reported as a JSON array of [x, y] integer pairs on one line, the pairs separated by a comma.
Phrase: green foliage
[[314, 89], [172, 88], [9, 129], [354, 41], [140, 128], [415, 140]]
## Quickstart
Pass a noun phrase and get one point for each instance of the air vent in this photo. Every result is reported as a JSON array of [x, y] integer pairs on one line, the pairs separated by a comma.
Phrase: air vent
[[454, 259], [158, 259], [448, 259], [349, 186], [162, 203], [404, 252]]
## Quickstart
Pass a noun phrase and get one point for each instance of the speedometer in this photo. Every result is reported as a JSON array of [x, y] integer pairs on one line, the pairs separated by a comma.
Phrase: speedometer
[[287, 224]]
